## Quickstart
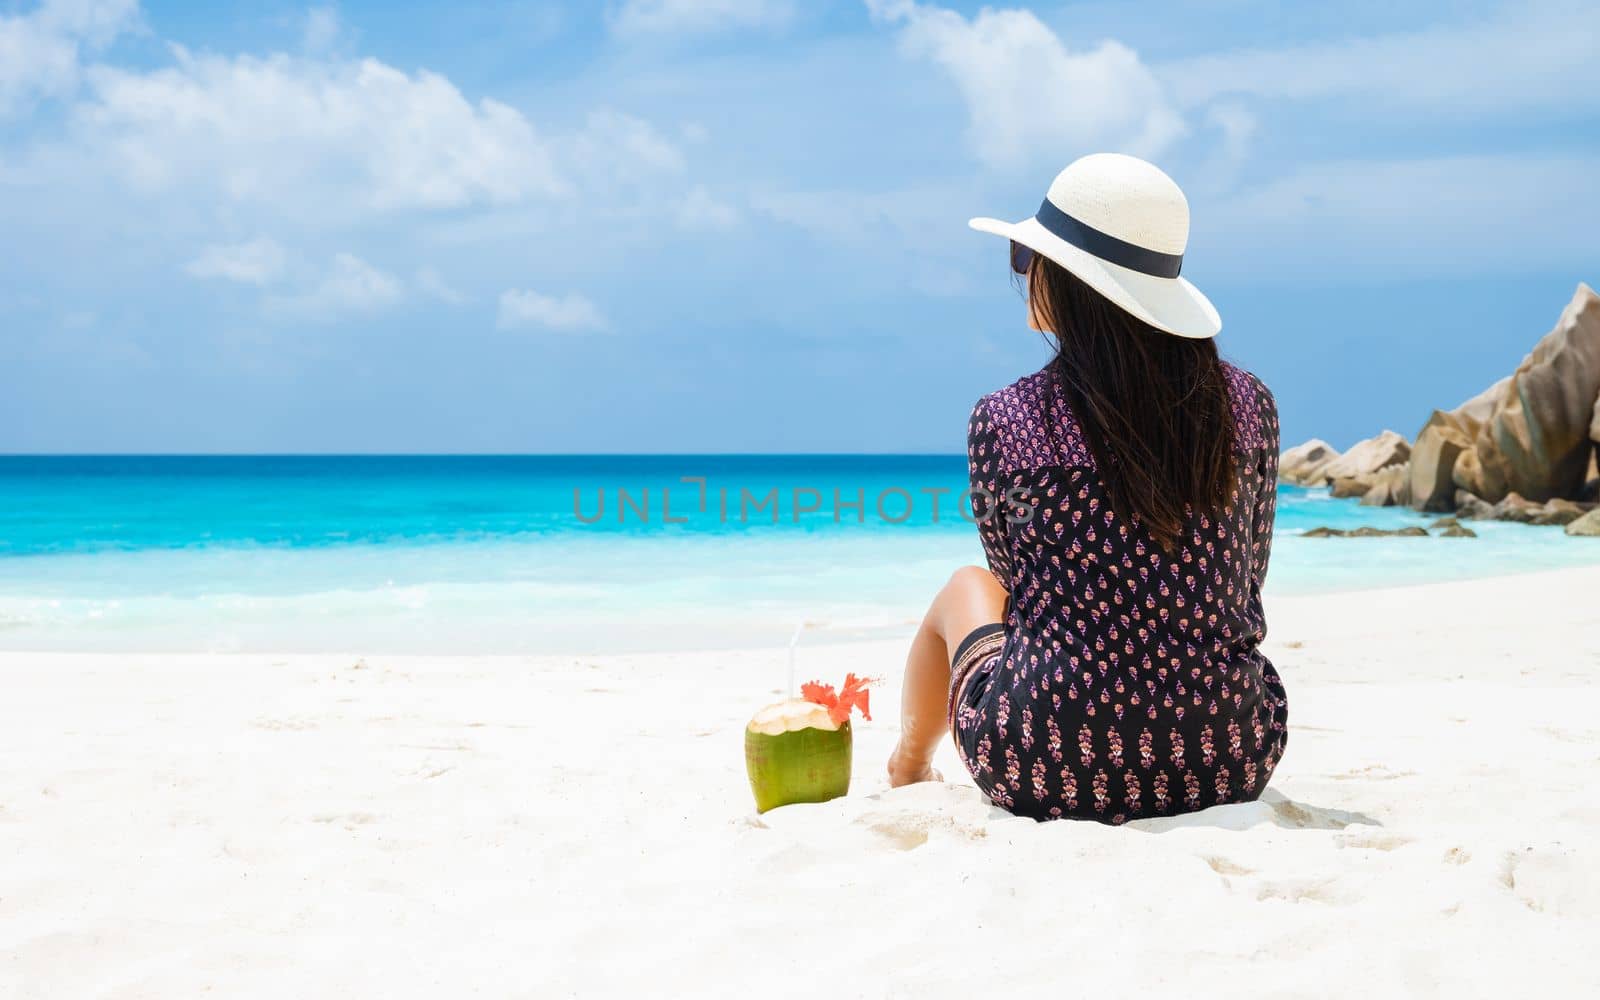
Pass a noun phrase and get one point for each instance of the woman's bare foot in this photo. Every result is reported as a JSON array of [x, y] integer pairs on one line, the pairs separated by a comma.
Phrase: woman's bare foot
[[904, 770]]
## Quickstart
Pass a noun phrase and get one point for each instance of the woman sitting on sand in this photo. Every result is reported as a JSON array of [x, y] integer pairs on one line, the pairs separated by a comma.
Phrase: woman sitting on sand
[[1107, 666]]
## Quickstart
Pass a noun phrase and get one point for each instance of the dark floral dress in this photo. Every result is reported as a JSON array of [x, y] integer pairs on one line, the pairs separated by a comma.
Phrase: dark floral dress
[[1123, 683]]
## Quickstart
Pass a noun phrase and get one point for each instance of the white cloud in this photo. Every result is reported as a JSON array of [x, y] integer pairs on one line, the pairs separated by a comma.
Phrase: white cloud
[[350, 285], [1235, 129], [1028, 96], [432, 284], [324, 140], [912, 236], [322, 28], [700, 209], [681, 17], [1529, 54], [519, 307], [622, 147], [1406, 219], [903, 219], [256, 262], [280, 129], [94, 22], [40, 51]]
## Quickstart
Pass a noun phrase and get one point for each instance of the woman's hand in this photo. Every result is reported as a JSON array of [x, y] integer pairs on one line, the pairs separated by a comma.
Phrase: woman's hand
[[904, 770]]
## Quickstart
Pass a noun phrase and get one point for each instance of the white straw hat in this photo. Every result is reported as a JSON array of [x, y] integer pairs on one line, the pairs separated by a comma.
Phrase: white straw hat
[[1121, 225]]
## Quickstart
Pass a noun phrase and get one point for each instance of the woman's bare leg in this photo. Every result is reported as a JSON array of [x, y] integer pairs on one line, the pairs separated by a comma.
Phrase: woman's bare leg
[[972, 597]]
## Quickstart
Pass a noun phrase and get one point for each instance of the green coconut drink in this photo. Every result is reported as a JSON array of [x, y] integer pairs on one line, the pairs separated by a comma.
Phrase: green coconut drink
[[799, 750]]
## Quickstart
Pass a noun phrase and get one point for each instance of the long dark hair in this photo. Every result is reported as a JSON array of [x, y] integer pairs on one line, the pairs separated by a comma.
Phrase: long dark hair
[[1154, 408]]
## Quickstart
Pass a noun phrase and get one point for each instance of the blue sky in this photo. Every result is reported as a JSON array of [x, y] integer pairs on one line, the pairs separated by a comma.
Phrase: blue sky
[[739, 225]]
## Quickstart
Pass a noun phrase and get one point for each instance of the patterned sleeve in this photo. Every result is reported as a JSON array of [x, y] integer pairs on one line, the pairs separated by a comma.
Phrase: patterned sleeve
[[983, 473], [1266, 504]]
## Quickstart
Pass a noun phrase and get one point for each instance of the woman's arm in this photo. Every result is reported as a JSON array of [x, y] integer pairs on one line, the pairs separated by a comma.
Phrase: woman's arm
[[1267, 498], [983, 474]]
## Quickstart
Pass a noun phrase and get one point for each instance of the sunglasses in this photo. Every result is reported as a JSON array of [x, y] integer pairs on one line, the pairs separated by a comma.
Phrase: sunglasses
[[1021, 258]]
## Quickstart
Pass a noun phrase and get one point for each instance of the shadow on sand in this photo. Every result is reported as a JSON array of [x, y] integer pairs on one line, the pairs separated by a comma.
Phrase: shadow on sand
[[1273, 807]]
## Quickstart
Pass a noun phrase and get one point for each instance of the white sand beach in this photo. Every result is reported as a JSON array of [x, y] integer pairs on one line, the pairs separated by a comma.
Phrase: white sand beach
[[247, 826]]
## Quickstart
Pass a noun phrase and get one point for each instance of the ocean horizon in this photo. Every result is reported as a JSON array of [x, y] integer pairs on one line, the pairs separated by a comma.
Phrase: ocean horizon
[[558, 553]]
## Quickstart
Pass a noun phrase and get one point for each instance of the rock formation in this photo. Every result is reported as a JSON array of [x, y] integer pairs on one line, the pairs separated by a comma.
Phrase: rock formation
[[1472, 508], [1366, 457], [1514, 507], [1559, 511], [1440, 443], [1591, 482], [1442, 440], [1536, 440], [1409, 531], [1373, 470], [1390, 487], [1302, 465], [1588, 525], [1347, 487], [1525, 449]]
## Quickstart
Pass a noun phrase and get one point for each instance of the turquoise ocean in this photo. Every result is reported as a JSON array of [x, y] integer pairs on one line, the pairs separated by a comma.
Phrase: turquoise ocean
[[545, 554]]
